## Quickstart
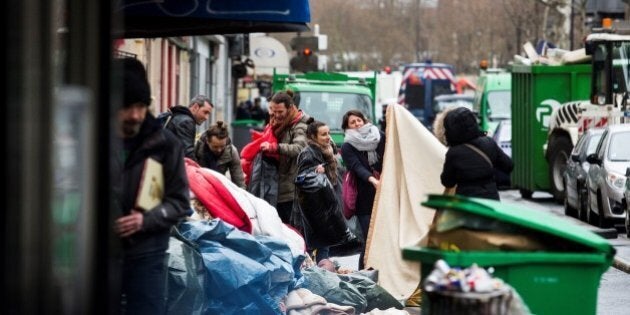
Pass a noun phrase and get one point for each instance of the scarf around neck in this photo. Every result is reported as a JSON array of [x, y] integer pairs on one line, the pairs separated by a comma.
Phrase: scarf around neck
[[365, 139], [279, 127], [329, 157]]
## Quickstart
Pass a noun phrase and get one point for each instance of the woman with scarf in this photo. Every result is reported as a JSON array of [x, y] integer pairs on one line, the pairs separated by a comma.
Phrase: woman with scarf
[[289, 128], [319, 155], [362, 153]]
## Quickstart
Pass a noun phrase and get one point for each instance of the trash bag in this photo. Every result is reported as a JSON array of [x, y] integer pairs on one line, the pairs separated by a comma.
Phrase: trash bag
[[187, 277], [322, 223], [335, 290], [350, 248], [264, 179], [375, 295]]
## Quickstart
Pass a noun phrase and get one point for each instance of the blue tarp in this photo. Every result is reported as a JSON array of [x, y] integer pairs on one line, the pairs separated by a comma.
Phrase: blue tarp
[[187, 278], [246, 274], [182, 18]]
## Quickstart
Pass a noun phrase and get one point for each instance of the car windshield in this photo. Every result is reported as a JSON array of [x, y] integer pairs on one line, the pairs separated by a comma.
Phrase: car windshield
[[592, 144], [330, 107], [499, 105], [619, 149]]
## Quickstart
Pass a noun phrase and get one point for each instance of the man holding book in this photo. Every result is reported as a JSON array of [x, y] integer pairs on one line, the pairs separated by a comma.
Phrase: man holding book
[[152, 194]]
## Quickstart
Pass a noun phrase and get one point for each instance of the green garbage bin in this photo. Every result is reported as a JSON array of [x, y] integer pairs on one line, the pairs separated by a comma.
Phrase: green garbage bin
[[241, 131], [548, 282]]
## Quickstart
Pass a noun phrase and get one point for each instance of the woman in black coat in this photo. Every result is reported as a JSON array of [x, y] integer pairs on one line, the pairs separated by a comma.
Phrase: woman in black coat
[[471, 157], [362, 155], [319, 156]]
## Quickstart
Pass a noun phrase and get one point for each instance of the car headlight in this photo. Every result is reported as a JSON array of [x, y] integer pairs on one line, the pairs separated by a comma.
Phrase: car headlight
[[616, 180]]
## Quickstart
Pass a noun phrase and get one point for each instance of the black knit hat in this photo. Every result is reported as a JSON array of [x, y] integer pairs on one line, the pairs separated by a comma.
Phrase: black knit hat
[[460, 126], [135, 84]]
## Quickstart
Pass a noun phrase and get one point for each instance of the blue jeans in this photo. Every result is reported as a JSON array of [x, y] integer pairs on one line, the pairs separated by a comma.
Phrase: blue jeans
[[144, 284]]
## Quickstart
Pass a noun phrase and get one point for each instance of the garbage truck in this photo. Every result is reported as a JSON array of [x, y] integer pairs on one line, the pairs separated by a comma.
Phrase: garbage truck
[[556, 104], [327, 96]]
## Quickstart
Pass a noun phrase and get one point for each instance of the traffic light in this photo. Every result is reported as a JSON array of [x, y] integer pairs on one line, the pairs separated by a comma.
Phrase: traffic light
[[305, 58]]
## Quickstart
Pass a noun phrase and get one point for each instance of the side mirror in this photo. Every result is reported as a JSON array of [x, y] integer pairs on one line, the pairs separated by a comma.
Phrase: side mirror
[[628, 172], [593, 159], [575, 158]]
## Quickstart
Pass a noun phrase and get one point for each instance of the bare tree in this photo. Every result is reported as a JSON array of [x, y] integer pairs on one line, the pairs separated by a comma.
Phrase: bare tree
[[371, 34]]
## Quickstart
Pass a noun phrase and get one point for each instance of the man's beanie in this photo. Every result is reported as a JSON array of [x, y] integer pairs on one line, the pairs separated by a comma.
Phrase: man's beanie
[[135, 84]]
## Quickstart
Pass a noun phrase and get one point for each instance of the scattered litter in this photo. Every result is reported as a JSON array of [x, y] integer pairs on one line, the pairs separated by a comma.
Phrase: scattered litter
[[472, 279]]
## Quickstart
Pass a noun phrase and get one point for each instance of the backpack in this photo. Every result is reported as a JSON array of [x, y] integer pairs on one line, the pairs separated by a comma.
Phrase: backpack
[[164, 118]]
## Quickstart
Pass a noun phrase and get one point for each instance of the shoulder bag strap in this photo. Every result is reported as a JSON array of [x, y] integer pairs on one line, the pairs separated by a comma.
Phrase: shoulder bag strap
[[485, 157]]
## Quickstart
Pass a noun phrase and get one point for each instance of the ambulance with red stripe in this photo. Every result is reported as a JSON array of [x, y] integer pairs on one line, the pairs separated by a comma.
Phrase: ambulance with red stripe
[[421, 83], [608, 103]]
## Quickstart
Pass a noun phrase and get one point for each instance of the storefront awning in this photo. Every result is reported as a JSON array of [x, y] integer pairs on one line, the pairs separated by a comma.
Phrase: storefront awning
[[163, 18]]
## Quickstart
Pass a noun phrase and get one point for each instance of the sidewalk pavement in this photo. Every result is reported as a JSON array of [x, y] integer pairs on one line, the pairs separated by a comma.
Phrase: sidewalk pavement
[[622, 257]]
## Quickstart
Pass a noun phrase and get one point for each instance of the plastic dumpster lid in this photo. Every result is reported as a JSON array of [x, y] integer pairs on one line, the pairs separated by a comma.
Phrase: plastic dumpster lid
[[523, 217]]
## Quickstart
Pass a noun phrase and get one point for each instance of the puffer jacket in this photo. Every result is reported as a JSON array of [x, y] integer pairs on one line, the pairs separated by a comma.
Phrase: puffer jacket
[[464, 167], [184, 127], [229, 160], [289, 146]]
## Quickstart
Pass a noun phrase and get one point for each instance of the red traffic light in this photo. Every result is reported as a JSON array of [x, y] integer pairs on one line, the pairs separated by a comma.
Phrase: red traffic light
[[307, 52]]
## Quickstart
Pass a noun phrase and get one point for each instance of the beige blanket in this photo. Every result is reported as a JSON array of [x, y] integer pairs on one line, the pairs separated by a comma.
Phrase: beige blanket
[[412, 166]]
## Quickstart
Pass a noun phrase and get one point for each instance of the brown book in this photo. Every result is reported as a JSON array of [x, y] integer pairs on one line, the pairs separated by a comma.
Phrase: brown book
[[151, 190]]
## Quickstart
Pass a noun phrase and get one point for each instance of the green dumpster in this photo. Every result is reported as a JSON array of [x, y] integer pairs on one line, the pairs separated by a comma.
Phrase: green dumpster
[[548, 282], [241, 131], [536, 91]]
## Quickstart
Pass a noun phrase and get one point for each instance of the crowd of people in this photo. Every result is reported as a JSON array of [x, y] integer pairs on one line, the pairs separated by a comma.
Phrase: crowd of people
[[308, 174]]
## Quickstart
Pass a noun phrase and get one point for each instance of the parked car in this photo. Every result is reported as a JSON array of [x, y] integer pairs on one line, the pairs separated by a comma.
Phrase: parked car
[[576, 172], [606, 179]]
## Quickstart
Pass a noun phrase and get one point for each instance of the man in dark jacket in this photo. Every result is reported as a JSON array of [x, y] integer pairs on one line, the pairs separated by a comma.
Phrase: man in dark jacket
[[145, 232], [185, 120], [215, 151]]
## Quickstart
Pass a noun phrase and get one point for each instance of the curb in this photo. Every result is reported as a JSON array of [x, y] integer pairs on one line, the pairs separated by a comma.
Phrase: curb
[[621, 264]]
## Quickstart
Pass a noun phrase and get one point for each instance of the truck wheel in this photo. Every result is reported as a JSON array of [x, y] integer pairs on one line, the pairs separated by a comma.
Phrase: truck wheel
[[559, 152], [526, 193]]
